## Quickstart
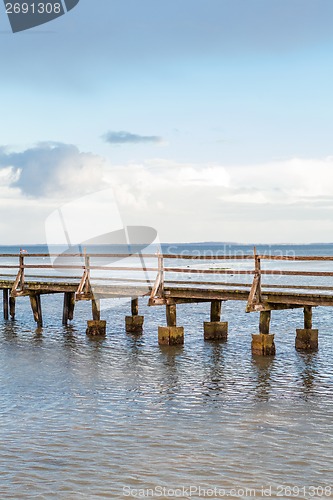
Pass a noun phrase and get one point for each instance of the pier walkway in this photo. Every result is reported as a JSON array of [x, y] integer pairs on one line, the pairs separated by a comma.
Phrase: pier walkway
[[264, 282]]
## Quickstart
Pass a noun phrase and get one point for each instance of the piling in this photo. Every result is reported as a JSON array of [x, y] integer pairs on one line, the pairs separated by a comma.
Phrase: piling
[[96, 327], [12, 304], [134, 323], [171, 334], [36, 307], [215, 329], [263, 343], [5, 303], [68, 308], [307, 337]]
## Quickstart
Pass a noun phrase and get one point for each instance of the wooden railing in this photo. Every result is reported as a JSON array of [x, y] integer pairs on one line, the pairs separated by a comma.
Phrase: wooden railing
[[87, 264]]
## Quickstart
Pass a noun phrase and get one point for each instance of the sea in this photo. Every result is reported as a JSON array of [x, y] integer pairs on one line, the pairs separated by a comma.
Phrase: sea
[[122, 417]]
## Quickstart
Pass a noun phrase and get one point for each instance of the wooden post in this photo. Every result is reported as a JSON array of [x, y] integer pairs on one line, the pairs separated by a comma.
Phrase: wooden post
[[12, 307], [171, 334], [36, 308], [265, 318], [71, 305], [134, 323], [96, 309], [68, 309], [171, 315], [65, 310], [135, 307], [215, 310], [161, 272], [5, 303], [215, 329], [257, 270], [263, 343], [307, 317], [87, 267], [22, 270], [307, 337]]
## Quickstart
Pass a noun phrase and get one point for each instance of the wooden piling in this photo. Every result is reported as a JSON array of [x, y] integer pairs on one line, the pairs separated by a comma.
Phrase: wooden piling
[[171, 334], [71, 305], [263, 343], [135, 306], [134, 323], [215, 329], [68, 308], [5, 303], [65, 310], [171, 314], [307, 317], [12, 304], [264, 321], [36, 308], [215, 310], [307, 337], [96, 309]]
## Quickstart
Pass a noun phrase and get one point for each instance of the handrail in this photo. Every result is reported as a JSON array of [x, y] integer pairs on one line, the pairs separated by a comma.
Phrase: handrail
[[157, 290]]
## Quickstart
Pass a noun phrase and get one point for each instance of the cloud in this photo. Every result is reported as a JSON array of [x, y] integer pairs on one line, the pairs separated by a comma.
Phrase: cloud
[[128, 138], [287, 200], [52, 169]]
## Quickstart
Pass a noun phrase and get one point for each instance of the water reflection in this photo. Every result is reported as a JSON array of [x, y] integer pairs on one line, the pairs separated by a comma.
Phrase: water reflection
[[262, 370], [215, 383], [307, 364]]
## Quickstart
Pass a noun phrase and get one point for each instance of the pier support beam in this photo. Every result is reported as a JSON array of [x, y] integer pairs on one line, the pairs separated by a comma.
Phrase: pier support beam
[[263, 343], [68, 309], [12, 303], [96, 327], [171, 334], [215, 329], [307, 337], [134, 323], [5, 303], [36, 308]]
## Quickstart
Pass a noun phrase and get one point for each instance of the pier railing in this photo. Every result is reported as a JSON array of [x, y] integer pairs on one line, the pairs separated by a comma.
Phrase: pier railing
[[152, 274]]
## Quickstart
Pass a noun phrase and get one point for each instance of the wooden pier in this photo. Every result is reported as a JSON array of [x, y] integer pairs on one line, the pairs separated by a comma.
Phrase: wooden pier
[[86, 277]]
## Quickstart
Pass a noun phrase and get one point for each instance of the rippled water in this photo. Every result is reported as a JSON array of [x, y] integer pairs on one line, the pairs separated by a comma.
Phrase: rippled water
[[88, 419]]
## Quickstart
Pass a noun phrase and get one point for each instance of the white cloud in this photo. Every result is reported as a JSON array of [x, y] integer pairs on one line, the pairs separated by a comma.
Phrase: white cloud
[[290, 200]]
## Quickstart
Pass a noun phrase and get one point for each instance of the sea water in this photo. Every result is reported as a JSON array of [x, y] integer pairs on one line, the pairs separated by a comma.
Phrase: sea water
[[125, 418]]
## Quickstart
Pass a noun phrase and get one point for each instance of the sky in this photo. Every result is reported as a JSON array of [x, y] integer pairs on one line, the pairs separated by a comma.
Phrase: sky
[[208, 120]]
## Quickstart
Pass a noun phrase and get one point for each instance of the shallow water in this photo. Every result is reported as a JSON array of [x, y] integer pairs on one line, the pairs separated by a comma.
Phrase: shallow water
[[112, 418]]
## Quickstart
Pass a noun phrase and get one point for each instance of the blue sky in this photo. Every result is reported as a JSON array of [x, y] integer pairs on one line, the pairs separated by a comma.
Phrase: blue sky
[[215, 96]]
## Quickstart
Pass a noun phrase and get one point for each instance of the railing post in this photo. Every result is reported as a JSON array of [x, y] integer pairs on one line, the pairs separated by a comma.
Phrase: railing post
[[87, 270], [257, 271], [21, 270], [161, 273]]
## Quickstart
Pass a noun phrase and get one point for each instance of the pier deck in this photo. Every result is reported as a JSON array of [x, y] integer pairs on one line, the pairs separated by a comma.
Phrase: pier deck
[[86, 277]]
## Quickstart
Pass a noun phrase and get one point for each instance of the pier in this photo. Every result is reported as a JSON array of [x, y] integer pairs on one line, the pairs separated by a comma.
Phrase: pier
[[273, 283]]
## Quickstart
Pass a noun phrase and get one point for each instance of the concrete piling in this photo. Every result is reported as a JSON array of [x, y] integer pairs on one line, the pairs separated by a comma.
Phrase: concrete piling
[[134, 323], [263, 343], [215, 329], [307, 337], [171, 334]]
